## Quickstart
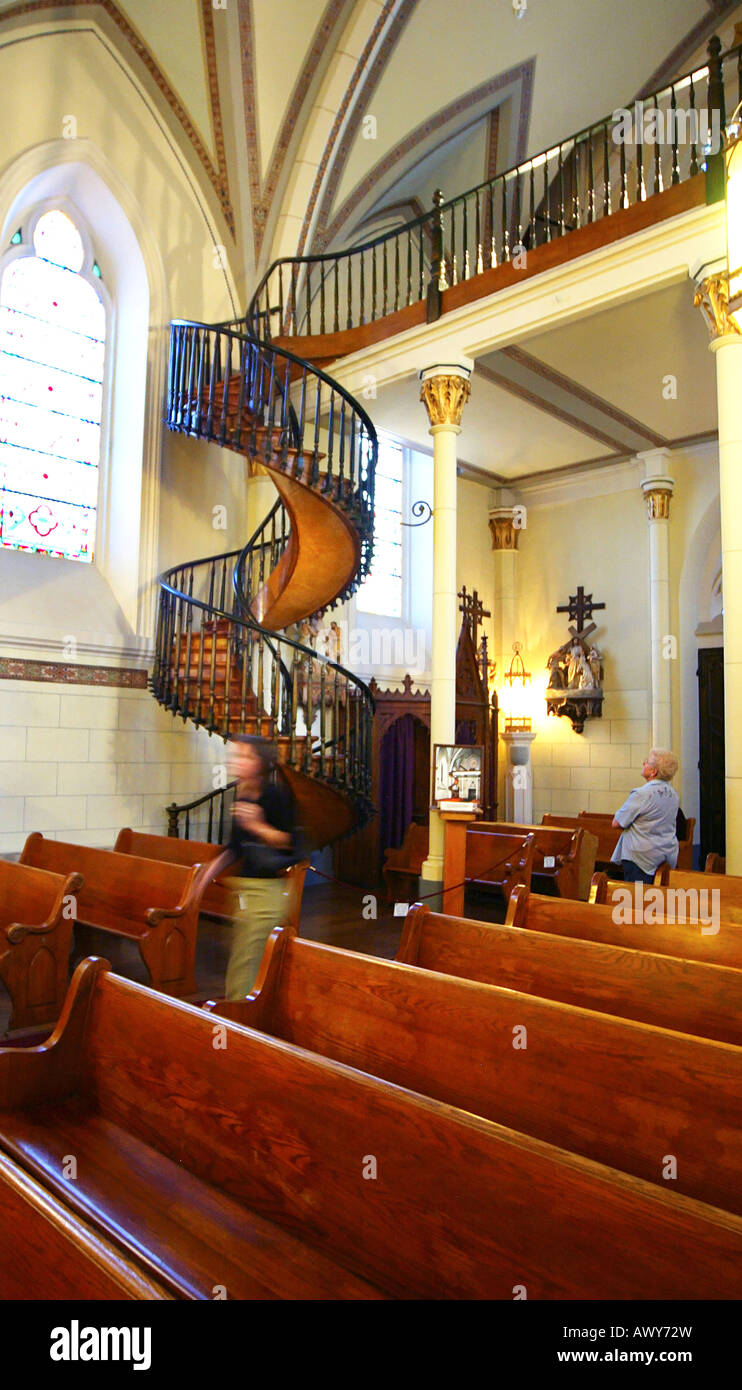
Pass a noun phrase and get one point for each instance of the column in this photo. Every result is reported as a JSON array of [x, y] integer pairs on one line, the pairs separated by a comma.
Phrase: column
[[726, 344], [657, 488], [505, 536], [444, 392]]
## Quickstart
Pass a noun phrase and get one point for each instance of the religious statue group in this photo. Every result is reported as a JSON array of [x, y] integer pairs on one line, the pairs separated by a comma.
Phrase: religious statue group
[[575, 666]]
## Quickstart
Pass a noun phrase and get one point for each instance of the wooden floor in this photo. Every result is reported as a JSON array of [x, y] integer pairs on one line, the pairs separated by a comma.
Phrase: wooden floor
[[331, 912]]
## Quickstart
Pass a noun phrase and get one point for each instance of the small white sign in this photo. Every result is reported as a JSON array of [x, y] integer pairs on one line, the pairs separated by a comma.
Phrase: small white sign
[[549, 861], [401, 909]]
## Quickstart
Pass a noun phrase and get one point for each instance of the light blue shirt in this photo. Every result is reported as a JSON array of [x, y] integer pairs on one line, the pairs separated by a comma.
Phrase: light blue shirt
[[648, 818]]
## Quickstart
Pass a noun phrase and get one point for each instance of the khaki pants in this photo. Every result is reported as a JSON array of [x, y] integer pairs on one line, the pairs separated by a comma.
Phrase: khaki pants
[[260, 905]]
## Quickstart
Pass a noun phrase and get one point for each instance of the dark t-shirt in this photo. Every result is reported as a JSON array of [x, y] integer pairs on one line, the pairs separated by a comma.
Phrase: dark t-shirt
[[256, 858]]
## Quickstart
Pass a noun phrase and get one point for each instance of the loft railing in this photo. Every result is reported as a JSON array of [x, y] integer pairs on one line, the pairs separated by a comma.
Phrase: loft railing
[[581, 180]]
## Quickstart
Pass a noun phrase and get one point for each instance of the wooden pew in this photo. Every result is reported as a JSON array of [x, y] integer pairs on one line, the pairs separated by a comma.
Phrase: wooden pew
[[685, 846], [49, 1253], [204, 1151], [490, 861], [729, 887], [402, 866], [454, 1039], [705, 1000], [612, 920], [606, 835], [573, 852], [499, 861], [151, 902], [217, 898], [35, 938]]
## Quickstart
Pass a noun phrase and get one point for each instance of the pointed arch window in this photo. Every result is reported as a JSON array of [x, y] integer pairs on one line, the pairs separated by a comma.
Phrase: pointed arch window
[[52, 357]]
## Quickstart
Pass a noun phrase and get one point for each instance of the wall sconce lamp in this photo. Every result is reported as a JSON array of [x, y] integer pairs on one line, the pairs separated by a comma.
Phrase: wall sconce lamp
[[518, 679]]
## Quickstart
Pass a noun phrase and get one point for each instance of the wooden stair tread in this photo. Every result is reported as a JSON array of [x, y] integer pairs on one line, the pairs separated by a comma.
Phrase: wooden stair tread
[[203, 1238]]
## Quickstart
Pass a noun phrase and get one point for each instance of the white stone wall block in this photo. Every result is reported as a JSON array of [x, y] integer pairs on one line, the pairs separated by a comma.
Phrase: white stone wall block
[[28, 779], [11, 813], [12, 743], [53, 745], [134, 779], [610, 755], [116, 746], [571, 755], [86, 779], [113, 812], [28, 709], [590, 779], [87, 711], [64, 814]]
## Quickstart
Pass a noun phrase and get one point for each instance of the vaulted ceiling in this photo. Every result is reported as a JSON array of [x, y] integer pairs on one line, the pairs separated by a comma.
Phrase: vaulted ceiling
[[317, 122]]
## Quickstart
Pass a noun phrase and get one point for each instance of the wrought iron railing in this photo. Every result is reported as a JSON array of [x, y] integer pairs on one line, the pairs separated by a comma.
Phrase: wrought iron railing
[[226, 386], [578, 181], [209, 811]]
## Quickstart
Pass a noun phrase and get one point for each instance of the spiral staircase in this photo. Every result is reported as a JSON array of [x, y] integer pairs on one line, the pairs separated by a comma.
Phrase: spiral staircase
[[228, 654]]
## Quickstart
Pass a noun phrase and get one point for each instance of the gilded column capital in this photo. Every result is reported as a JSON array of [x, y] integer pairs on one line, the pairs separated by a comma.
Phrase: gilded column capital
[[444, 395], [657, 494], [712, 298], [503, 529]]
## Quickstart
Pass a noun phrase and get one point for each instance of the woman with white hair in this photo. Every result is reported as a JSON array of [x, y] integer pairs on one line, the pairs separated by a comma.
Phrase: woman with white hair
[[648, 819]]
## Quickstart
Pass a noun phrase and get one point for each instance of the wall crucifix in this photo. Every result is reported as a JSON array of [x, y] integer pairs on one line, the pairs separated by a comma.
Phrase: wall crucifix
[[575, 687]]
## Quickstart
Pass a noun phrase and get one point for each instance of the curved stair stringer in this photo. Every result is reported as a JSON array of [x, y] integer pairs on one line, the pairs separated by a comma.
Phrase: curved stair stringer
[[320, 560]]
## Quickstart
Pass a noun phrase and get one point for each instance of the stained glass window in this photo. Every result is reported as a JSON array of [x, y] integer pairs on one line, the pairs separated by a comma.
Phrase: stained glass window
[[52, 347], [381, 592]]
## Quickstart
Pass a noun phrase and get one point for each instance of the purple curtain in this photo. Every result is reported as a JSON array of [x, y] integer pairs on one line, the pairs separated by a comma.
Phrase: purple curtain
[[396, 782]]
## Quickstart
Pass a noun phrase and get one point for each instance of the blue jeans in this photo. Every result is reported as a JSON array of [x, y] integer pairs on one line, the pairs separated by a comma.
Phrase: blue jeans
[[633, 874]]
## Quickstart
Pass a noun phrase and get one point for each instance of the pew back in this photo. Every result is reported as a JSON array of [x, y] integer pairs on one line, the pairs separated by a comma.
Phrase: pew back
[[641, 916], [705, 1000], [605, 834], [541, 1067], [573, 852], [495, 860], [728, 886], [118, 890], [218, 898], [420, 1198]]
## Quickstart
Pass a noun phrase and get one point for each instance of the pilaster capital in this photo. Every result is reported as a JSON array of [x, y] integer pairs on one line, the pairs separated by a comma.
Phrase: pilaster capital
[[657, 493], [503, 530], [444, 391], [712, 298]]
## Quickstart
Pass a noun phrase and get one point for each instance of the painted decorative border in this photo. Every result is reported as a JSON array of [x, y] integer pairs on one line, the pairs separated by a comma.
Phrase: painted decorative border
[[319, 240], [263, 194], [128, 678], [683, 51], [218, 177], [522, 72]]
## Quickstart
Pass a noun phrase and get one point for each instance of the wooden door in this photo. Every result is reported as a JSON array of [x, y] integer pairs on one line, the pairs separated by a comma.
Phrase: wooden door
[[711, 750]]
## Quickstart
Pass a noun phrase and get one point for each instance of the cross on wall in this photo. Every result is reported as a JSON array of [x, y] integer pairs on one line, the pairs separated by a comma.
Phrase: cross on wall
[[579, 608]]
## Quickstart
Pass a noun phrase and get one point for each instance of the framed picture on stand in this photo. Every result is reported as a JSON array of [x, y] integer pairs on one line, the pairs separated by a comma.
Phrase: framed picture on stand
[[457, 776]]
